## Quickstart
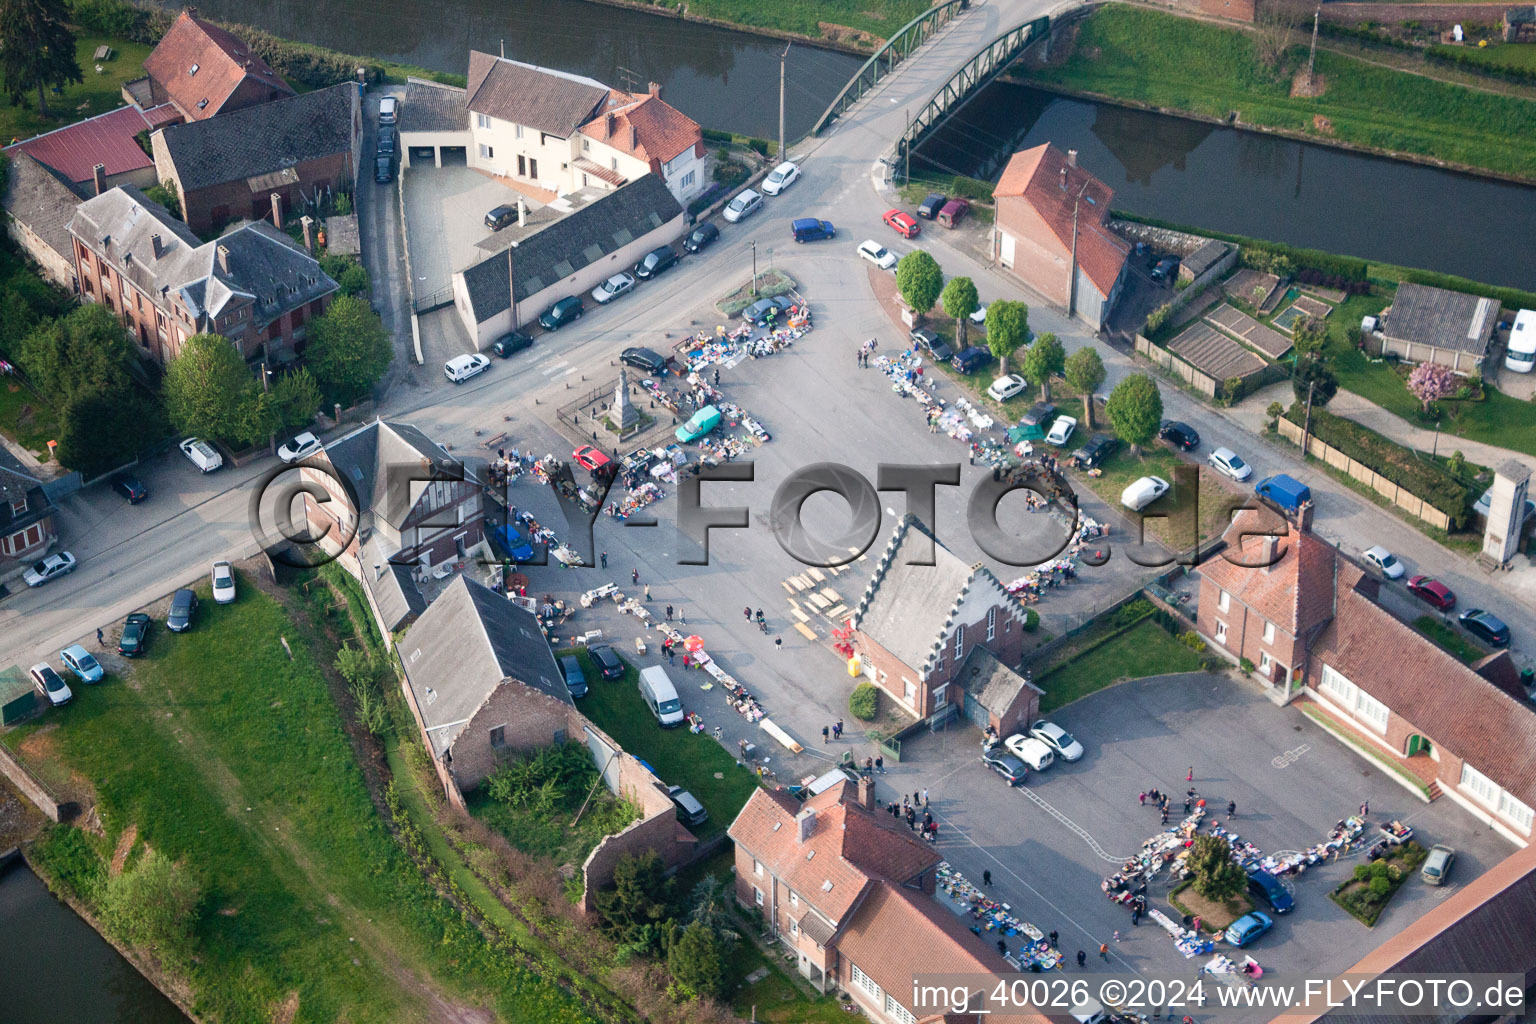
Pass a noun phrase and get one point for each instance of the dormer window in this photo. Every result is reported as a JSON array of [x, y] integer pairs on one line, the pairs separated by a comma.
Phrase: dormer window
[[18, 505], [202, 103], [192, 70]]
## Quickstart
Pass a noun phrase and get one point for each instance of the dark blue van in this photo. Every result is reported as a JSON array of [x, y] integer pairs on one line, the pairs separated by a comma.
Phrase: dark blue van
[[809, 229]]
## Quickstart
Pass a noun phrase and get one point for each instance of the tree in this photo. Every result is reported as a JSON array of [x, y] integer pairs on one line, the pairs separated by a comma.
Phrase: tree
[[353, 280], [209, 391], [1007, 329], [635, 909], [99, 432], [1135, 410], [1085, 373], [37, 48], [960, 301], [1043, 360], [1314, 372], [85, 352], [711, 905], [1217, 876], [919, 280], [697, 963], [1274, 24], [1430, 382], [295, 399], [1309, 335], [349, 350], [153, 907], [166, 195]]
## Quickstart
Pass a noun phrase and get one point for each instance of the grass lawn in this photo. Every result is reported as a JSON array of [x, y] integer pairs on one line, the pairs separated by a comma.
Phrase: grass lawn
[[878, 17], [1169, 519], [1146, 649], [551, 835], [1459, 646], [1178, 63], [680, 758], [1498, 55], [96, 95], [25, 419], [227, 753]]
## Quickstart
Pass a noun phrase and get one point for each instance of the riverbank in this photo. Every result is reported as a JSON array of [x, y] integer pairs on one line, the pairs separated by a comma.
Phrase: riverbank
[[1162, 62]]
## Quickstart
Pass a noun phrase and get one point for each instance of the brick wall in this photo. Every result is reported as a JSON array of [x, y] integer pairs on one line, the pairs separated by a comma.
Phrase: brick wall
[[1245, 634], [529, 719], [1039, 258], [207, 208]]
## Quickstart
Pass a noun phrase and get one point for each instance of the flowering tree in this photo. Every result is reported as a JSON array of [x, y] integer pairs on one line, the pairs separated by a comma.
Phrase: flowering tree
[[1430, 382]]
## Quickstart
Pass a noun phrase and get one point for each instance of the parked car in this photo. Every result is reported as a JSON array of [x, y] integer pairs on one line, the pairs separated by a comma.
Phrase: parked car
[[932, 203], [183, 607], [701, 423], [902, 223], [1166, 267], [612, 288], [780, 178], [978, 316], [383, 169], [609, 666], [1006, 763], [1006, 386], [223, 575], [1229, 463], [952, 212], [567, 311], [1039, 416], [135, 636], [1181, 435], [299, 448], [460, 368], [575, 678], [1143, 492], [877, 254], [1486, 626], [655, 262], [1385, 561], [743, 206], [1285, 492], [511, 342], [130, 488], [927, 341], [1432, 592], [386, 146], [1248, 928], [51, 685], [388, 107], [763, 310], [1061, 431], [1093, 454], [82, 663], [1483, 505], [1437, 866], [689, 810], [701, 237], [809, 229], [590, 458], [1058, 739], [60, 563], [971, 359], [201, 454], [1271, 891], [1037, 757], [644, 359], [500, 217]]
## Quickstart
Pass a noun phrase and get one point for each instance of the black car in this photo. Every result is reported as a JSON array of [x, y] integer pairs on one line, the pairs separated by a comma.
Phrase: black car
[[567, 311], [927, 341], [1006, 764], [130, 487], [1269, 889], [972, 359], [384, 169], [1486, 626], [701, 237], [644, 359], [932, 203], [507, 344], [655, 262], [575, 678], [608, 664], [1092, 454], [1041, 415], [386, 142], [1166, 267], [135, 636], [758, 312], [500, 217], [183, 607], [1180, 435]]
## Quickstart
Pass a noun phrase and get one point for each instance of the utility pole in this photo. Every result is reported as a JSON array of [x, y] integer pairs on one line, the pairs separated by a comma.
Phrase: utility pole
[[1312, 59], [906, 151], [1307, 426], [783, 59], [754, 266]]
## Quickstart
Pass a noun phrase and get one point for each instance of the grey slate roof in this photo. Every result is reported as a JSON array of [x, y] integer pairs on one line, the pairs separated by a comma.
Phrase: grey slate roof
[[42, 200], [394, 590], [540, 98], [463, 647], [433, 107], [565, 246], [15, 483], [261, 139], [993, 684], [1203, 258], [362, 459], [1444, 319]]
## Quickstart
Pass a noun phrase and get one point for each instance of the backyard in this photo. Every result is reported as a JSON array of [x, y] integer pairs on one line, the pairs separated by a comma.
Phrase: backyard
[[98, 94]]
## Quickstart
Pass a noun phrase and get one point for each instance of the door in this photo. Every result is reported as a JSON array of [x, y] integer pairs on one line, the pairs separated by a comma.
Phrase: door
[[1006, 256], [976, 713], [1418, 745]]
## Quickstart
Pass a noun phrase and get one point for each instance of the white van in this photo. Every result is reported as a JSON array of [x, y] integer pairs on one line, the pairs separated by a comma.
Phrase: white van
[[387, 108], [202, 454], [661, 696], [460, 368], [1521, 354], [1143, 492], [1031, 751]]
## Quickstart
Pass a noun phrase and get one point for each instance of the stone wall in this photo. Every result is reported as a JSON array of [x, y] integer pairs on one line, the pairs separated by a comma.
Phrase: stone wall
[[1180, 243], [31, 787]]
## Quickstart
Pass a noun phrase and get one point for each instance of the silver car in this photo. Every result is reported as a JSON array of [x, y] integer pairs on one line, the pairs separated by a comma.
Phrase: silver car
[[1437, 866], [1229, 463]]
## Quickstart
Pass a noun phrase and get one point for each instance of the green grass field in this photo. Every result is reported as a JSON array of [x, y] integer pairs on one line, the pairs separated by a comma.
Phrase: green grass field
[[1181, 64], [1498, 55], [26, 420], [1168, 518], [1146, 649], [96, 95], [1447, 638]]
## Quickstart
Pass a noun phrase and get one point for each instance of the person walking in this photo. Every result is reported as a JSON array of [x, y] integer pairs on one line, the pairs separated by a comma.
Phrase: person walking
[[1365, 808], [1231, 808], [1136, 918], [671, 657], [647, 591], [1187, 802], [911, 819], [1196, 925], [682, 617], [669, 613], [826, 731], [604, 559], [101, 641], [747, 614], [839, 728], [1104, 951], [634, 574], [1143, 799], [986, 878], [1189, 776], [1002, 947], [869, 765], [1054, 943], [1165, 814], [1082, 959], [917, 798], [880, 763], [904, 802]]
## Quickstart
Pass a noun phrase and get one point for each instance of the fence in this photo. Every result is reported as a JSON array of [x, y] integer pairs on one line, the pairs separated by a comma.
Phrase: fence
[[30, 785], [1396, 494]]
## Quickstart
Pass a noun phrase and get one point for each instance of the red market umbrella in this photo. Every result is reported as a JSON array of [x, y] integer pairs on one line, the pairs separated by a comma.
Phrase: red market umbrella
[[693, 644]]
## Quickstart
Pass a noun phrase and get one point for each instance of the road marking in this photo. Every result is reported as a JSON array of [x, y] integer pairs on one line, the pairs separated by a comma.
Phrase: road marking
[[1072, 826], [564, 373], [1290, 757], [550, 368]]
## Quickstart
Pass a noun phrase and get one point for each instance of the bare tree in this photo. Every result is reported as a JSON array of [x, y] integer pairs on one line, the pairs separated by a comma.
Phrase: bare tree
[[1274, 29]]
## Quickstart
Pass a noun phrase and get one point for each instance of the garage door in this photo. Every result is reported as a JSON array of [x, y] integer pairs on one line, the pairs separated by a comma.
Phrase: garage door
[[976, 713]]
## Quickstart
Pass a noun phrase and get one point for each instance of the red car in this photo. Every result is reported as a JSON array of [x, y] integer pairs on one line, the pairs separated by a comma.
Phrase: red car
[[591, 458], [904, 223], [1433, 592]]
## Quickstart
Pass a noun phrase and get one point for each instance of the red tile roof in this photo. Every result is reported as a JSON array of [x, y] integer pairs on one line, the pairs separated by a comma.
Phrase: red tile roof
[[1296, 592], [164, 114], [222, 59], [104, 139], [599, 172], [660, 131], [1036, 176]]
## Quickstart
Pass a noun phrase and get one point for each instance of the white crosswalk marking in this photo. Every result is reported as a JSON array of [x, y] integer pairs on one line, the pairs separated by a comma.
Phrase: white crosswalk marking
[[555, 367]]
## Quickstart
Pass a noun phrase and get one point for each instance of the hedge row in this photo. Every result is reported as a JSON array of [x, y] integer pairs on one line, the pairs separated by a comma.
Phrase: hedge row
[[1426, 479], [1347, 268], [1512, 298], [1461, 58], [1365, 32], [762, 146]]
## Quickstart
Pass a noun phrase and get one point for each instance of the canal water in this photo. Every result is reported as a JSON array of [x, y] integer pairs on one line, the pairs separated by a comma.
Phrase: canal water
[[59, 969]]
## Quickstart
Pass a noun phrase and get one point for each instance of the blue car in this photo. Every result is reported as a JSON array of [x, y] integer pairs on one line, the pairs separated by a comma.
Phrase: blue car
[[1272, 891], [1248, 928], [79, 661]]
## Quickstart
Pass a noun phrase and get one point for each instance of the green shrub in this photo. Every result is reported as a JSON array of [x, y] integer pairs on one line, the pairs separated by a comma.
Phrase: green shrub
[[1131, 612], [1192, 640], [1362, 872], [1380, 888], [1247, 666], [1031, 620], [864, 702]]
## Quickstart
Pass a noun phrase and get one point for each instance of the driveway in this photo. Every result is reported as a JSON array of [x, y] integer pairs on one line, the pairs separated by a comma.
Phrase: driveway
[[382, 239], [445, 210]]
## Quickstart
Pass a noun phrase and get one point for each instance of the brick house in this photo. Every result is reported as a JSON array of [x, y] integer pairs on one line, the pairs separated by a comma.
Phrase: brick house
[[27, 528], [39, 203], [203, 70], [254, 286], [1052, 232], [273, 156], [917, 627], [1435, 325], [1464, 730]]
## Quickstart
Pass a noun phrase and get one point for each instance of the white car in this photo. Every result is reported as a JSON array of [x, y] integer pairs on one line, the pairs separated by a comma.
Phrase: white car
[[51, 685], [877, 254], [1385, 561], [201, 454], [51, 568], [460, 368], [300, 448], [780, 178], [1061, 431], [1228, 462], [980, 316], [1006, 386], [744, 205], [1143, 492], [1031, 751], [612, 288], [223, 582], [1058, 739]]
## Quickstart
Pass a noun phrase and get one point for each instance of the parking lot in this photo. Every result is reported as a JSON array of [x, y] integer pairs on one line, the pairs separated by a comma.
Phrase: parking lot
[[445, 210]]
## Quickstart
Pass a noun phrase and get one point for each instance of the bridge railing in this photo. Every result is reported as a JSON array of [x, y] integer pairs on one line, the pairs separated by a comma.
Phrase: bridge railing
[[895, 49]]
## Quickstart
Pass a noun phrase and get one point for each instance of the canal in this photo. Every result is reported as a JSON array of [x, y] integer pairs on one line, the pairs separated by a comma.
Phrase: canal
[[70, 973]]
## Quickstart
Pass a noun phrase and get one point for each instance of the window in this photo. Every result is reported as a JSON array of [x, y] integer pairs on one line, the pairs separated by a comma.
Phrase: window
[[1221, 632], [486, 152], [1223, 600], [1355, 700], [533, 168], [586, 145], [522, 166], [991, 623], [1514, 810], [687, 180], [757, 868], [909, 692], [794, 898], [615, 162], [517, 131], [896, 1011], [498, 736], [1269, 632], [1479, 785], [757, 896], [794, 927], [864, 981], [482, 120], [959, 640], [18, 505]]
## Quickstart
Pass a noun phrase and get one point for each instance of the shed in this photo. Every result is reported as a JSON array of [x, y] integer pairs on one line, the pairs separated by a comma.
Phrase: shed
[[18, 697]]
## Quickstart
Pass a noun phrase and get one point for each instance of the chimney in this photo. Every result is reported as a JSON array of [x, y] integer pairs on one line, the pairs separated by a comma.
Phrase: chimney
[[224, 258], [308, 224], [806, 820], [522, 212], [1071, 158], [1304, 517], [277, 211], [866, 792], [608, 122], [1063, 179], [1267, 548], [99, 174], [157, 245], [654, 88]]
